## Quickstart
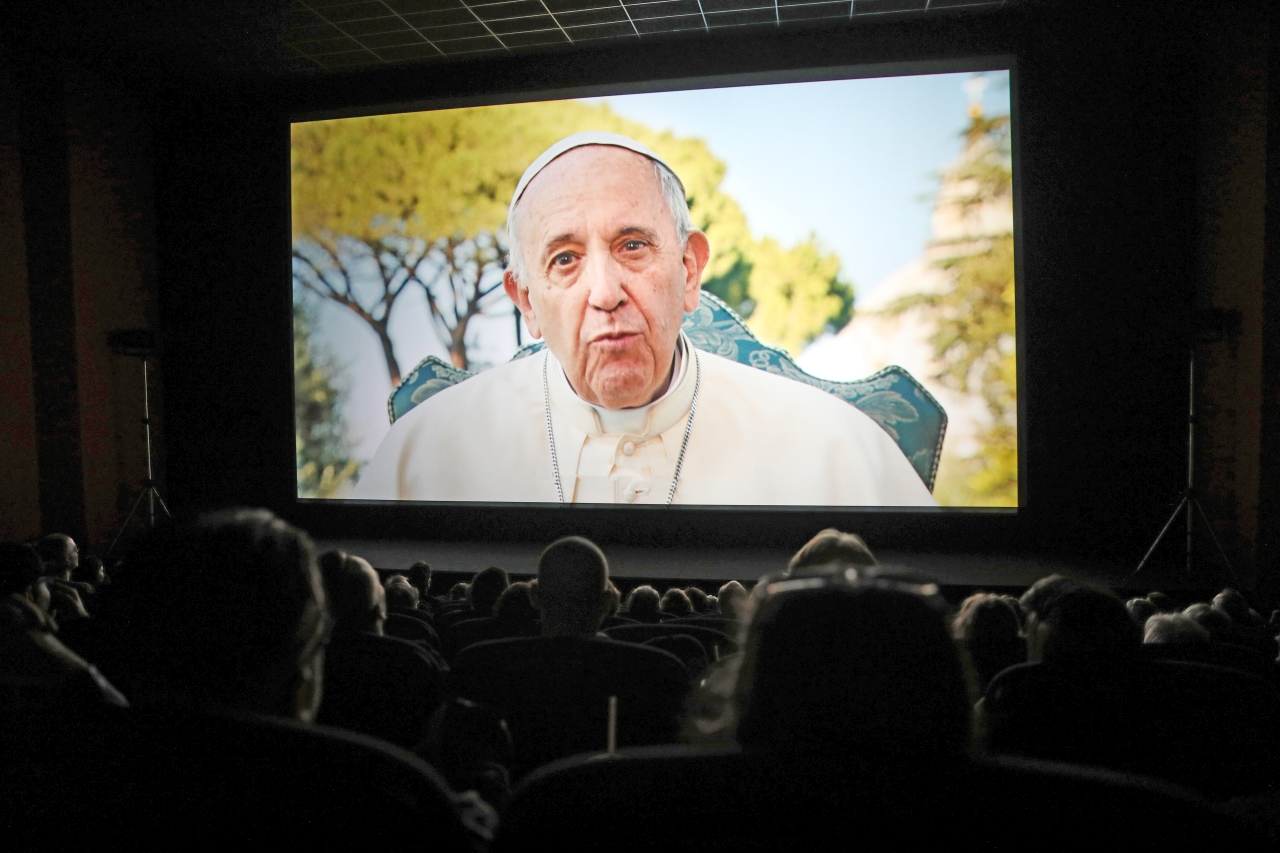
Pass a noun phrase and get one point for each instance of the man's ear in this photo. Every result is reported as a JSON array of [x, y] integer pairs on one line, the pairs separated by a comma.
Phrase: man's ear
[[697, 252], [1037, 633], [310, 687], [519, 294]]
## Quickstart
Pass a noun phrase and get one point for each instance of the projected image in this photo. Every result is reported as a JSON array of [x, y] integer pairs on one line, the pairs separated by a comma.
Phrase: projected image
[[788, 295]]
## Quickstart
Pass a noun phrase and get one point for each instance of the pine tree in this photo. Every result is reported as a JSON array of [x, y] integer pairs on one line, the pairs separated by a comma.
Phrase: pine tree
[[974, 321], [324, 459]]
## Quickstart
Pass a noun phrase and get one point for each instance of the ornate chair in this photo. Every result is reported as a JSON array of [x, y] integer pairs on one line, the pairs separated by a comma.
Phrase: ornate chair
[[891, 397]]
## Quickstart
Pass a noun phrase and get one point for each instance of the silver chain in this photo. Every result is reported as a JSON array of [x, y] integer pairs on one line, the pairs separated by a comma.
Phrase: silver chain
[[551, 436], [684, 444]]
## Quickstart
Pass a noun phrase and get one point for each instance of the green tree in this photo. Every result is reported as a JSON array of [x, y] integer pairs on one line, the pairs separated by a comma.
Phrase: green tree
[[797, 293], [974, 320], [386, 203], [323, 456]]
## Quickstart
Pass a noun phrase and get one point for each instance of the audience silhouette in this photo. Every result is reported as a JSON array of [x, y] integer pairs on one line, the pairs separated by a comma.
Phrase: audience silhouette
[[261, 681]]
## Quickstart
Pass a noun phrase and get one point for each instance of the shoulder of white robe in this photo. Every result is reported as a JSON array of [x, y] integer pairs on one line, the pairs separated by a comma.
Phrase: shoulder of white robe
[[799, 415], [470, 417]]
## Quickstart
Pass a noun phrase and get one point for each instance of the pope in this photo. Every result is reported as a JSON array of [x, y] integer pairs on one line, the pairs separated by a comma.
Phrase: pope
[[619, 407]]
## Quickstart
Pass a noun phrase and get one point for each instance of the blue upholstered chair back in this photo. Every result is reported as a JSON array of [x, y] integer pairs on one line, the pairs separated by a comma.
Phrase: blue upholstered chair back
[[891, 397]]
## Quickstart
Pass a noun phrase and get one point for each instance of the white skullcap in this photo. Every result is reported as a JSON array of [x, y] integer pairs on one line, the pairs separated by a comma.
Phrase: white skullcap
[[577, 140]]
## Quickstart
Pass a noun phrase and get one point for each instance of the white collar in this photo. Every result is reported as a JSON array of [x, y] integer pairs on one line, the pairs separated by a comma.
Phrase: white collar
[[642, 421]]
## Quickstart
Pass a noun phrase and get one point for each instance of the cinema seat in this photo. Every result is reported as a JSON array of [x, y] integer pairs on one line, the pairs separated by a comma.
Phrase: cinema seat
[[891, 397], [724, 624], [412, 613], [175, 779], [554, 693], [413, 630], [1215, 654], [710, 638], [1213, 729], [382, 686], [686, 799], [445, 621], [688, 649], [471, 631]]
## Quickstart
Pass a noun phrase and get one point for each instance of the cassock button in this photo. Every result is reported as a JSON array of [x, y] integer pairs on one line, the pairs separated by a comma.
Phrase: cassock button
[[628, 448]]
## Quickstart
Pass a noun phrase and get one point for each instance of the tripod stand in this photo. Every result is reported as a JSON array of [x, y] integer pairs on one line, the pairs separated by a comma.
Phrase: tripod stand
[[1190, 503], [149, 492]]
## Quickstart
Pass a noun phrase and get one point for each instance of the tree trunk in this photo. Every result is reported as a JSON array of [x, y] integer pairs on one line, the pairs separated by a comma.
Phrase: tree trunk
[[458, 344], [388, 352]]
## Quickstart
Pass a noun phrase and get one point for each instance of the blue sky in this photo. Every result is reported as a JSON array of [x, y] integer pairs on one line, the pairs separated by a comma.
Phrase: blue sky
[[853, 161]]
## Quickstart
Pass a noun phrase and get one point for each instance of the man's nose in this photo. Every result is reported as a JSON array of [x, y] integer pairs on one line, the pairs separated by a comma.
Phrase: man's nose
[[604, 283]]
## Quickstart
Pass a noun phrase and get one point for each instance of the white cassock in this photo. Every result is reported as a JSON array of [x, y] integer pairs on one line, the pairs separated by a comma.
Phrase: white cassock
[[757, 439]]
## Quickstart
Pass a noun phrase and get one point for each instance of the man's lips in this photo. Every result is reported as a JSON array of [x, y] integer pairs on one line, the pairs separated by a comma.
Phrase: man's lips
[[615, 339]]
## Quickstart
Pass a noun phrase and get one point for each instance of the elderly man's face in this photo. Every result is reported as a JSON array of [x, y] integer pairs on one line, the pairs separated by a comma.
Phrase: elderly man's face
[[608, 280]]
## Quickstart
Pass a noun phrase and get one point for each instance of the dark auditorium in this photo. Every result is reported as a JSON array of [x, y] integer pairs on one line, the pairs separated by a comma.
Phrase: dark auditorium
[[639, 425]]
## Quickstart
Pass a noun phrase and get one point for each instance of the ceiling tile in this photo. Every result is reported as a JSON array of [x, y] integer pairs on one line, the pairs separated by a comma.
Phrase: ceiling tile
[[812, 11], [558, 6], [424, 20], [610, 15], [544, 37], [652, 26], [516, 9], [601, 31], [529, 23], [473, 29], [369, 26], [471, 45], [862, 7], [663, 9], [384, 40], [351, 33], [410, 7], [734, 19], [409, 52], [735, 5], [351, 11]]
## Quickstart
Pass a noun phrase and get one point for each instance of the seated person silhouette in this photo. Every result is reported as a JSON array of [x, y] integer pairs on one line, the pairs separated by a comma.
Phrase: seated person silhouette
[[853, 722], [38, 673], [482, 595], [643, 605], [218, 627], [514, 615], [554, 690], [382, 686], [1089, 695], [847, 671], [420, 577]]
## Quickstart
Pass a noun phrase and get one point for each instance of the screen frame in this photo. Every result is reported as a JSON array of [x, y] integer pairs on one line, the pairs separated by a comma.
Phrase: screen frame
[[547, 77], [647, 521]]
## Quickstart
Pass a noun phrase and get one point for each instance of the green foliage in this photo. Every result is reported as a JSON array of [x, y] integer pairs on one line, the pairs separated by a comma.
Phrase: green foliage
[[324, 460], [797, 293], [974, 320], [420, 199]]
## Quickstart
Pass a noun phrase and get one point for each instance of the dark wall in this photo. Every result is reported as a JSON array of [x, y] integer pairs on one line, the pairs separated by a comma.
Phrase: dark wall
[[1106, 171]]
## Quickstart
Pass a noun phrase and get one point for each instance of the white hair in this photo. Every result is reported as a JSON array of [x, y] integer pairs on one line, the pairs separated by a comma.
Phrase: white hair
[[672, 193]]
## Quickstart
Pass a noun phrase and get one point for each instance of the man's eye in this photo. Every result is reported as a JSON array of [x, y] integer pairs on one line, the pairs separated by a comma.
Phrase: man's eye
[[562, 259], [633, 245]]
